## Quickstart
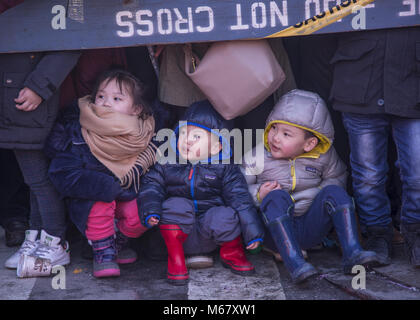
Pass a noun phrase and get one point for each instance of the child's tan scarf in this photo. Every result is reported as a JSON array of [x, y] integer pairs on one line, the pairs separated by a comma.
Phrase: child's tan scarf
[[119, 141]]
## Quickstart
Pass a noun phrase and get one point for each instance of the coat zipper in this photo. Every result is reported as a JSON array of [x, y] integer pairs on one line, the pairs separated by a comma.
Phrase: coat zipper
[[293, 172], [191, 178]]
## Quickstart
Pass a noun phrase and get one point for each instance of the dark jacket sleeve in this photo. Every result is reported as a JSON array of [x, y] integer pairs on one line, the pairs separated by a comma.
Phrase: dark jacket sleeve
[[59, 136], [71, 179], [152, 193], [236, 195], [50, 72], [56, 141]]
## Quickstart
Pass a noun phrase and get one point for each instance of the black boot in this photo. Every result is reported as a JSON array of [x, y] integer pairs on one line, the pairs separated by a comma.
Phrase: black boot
[[379, 240], [15, 232], [411, 233]]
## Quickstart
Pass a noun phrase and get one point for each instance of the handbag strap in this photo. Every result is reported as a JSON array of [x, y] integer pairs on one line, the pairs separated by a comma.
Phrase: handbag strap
[[191, 59]]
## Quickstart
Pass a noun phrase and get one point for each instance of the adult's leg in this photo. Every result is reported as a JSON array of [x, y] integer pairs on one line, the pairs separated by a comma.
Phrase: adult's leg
[[34, 165], [368, 136], [406, 133], [14, 199]]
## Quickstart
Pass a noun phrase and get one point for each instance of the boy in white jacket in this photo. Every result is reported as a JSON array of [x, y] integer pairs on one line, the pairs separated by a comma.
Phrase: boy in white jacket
[[300, 189]]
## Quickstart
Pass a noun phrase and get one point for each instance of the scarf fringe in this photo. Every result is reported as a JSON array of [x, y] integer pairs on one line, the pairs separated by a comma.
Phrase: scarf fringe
[[145, 160]]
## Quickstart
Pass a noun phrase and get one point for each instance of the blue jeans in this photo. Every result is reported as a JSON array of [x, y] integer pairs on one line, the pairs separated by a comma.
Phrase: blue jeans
[[312, 227], [368, 136]]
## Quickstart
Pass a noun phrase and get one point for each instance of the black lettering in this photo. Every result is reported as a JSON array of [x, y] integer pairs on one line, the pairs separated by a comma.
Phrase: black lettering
[[337, 7], [346, 3], [321, 15], [307, 20]]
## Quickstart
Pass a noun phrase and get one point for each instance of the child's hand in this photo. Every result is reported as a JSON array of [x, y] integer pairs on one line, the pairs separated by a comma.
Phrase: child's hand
[[153, 221], [27, 100], [267, 187], [253, 245]]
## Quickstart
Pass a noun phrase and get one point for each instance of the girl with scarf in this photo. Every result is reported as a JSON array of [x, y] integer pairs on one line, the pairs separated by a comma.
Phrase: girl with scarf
[[100, 148]]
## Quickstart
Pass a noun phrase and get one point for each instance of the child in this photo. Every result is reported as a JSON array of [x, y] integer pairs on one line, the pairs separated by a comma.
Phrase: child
[[201, 205], [300, 189], [98, 157], [29, 106]]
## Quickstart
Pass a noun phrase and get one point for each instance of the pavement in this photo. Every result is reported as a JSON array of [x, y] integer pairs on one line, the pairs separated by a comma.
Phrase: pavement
[[145, 280]]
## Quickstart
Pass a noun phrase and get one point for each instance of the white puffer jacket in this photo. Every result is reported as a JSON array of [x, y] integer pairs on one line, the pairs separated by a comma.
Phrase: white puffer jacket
[[304, 176]]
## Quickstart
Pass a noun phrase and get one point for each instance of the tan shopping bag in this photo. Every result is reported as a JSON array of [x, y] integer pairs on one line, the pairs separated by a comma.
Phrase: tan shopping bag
[[235, 76]]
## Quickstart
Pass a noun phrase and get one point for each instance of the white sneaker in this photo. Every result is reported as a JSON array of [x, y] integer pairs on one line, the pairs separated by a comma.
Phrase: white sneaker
[[28, 246], [49, 247], [199, 262]]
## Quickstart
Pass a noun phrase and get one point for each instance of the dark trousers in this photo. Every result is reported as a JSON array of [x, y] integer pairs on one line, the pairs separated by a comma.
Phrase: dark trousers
[[205, 231], [47, 208], [14, 194]]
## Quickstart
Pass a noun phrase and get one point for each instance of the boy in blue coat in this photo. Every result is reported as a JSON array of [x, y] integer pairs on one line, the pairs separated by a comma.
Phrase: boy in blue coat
[[198, 204]]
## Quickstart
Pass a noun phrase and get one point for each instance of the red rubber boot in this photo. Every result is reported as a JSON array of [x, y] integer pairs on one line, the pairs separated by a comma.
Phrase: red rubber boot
[[233, 257], [174, 238]]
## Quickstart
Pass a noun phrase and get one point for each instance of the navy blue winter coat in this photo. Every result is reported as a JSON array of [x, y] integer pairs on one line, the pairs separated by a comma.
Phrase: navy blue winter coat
[[207, 185], [75, 172]]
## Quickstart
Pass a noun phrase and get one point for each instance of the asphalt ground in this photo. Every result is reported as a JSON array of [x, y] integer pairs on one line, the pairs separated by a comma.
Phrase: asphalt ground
[[146, 280]]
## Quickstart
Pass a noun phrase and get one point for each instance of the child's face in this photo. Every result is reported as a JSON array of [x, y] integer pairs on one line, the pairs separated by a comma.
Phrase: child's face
[[118, 99], [195, 143], [288, 142]]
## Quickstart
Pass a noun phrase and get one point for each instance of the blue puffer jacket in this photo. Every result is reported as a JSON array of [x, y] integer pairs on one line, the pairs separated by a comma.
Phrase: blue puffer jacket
[[77, 175], [207, 185]]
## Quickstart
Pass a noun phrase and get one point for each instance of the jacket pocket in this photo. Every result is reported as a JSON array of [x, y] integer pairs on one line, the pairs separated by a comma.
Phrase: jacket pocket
[[12, 84], [353, 64]]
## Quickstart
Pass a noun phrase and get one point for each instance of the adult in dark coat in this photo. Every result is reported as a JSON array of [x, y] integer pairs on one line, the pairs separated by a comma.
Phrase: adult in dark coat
[[14, 194], [29, 95], [376, 85], [14, 200]]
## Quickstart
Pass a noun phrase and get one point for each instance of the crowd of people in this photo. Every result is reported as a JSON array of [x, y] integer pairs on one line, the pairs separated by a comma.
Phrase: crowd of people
[[77, 148]]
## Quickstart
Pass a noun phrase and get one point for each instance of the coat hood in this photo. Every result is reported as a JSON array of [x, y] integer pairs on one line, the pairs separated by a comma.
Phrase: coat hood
[[203, 115], [305, 110]]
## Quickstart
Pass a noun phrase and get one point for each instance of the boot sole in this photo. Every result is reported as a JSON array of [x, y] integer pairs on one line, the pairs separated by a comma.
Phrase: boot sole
[[107, 273], [180, 282], [244, 273], [379, 263], [306, 276], [126, 261], [368, 264]]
